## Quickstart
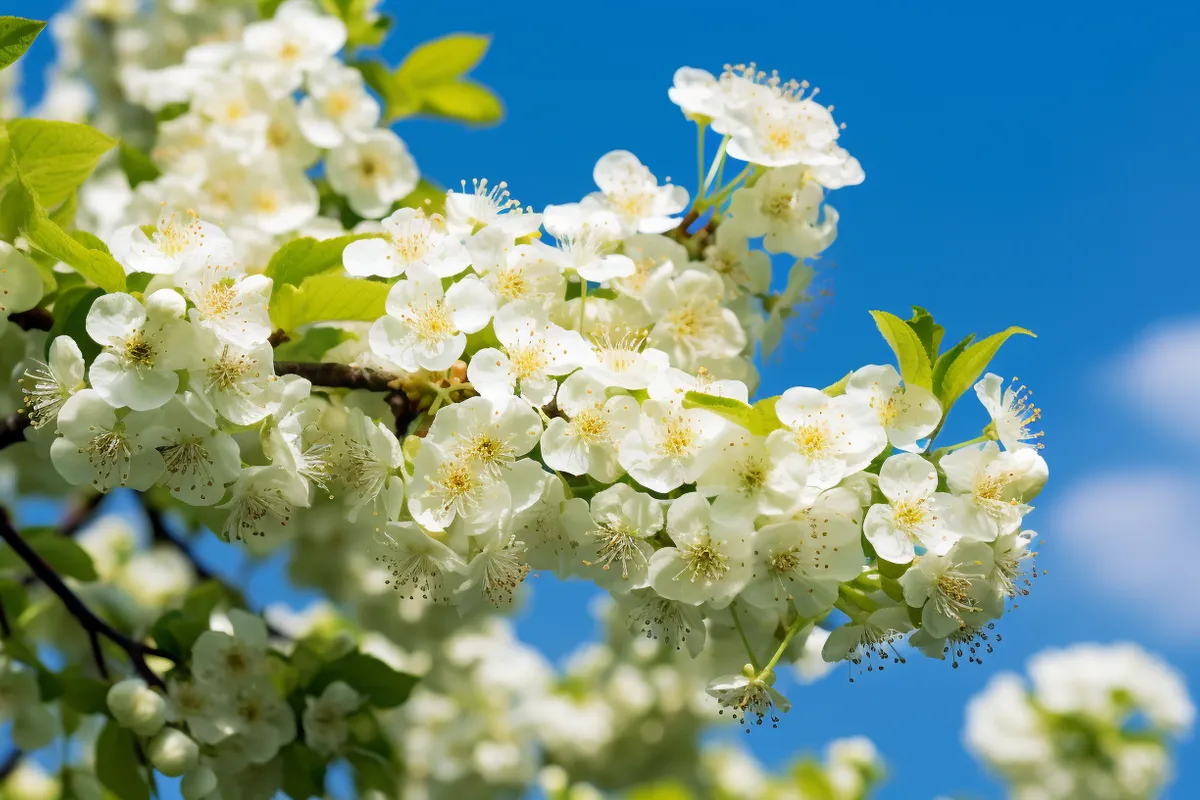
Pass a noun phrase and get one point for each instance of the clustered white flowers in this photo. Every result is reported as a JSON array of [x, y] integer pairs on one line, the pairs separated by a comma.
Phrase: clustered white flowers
[[1092, 721]]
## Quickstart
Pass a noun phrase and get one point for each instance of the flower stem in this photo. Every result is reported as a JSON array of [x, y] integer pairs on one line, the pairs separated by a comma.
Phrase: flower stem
[[858, 597], [712, 171], [795, 627], [700, 128], [737, 623], [582, 303], [728, 188]]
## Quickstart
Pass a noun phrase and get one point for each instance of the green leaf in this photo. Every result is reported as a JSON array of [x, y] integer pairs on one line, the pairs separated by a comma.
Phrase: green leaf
[[839, 388], [367, 675], [758, 419], [372, 772], [91, 241], [945, 360], [41, 232], [304, 258], [171, 111], [313, 345], [964, 371], [70, 317], [65, 556], [667, 790], [463, 100], [267, 8], [16, 35], [14, 599], [136, 165], [443, 59], [117, 763], [928, 331], [84, 694], [203, 598], [910, 353], [400, 97], [303, 772], [811, 781], [328, 298], [55, 157]]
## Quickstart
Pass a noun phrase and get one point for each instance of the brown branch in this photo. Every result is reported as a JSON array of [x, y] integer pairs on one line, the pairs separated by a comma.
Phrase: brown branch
[[278, 337], [12, 428], [35, 319], [93, 625], [339, 376]]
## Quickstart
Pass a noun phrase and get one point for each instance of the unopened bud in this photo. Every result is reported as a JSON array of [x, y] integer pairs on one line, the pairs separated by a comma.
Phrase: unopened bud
[[198, 783], [136, 706], [173, 752]]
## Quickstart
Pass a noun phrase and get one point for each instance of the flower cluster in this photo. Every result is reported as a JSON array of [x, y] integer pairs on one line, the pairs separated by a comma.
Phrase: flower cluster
[[1093, 721]]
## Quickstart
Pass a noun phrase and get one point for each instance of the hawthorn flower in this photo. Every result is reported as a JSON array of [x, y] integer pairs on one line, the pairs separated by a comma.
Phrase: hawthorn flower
[[749, 697], [498, 569], [697, 93], [710, 559], [410, 239], [907, 413], [261, 502], [916, 513], [232, 305], [200, 459], [231, 660], [420, 564], [489, 205], [948, 587], [523, 272], [47, 385], [295, 42], [236, 110], [655, 258], [372, 172], [623, 361], [624, 521], [670, 446], [203, 707], [534, 351], [784, 207], [694, 324], [674, 624], [275, 198], [871, 638], [995, 483], [493, 435], [337, 107], [426, 327], [455, 484], [143, 347], [775, 123], [268, 722], [238, 381], [548, 529], [587, 240], [326, 728], [586, 441], [1012, 412], [826, 438], [631, 191], [742, 475], [172, 752], [806, 558], [20, 283], [372, 464], [742, 270], [97, 448]]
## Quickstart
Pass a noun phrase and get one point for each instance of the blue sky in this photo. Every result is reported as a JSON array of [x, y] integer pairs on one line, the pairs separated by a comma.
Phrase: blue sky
[[1034, 166]]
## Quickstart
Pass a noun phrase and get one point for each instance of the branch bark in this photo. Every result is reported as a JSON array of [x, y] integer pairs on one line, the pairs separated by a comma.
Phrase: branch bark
[[35, 319], [12, 428], [95, 627], [338, 376]]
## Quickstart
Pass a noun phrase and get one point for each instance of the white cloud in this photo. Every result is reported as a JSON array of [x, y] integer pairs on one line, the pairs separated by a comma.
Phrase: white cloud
[[1136, 532], [1161, 373]]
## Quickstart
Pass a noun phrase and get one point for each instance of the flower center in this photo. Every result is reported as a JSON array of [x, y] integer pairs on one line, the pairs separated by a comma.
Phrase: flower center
[[431, 322], [337, 103], [787, 561], [456, 485], [227, 372], [219, 299], [529, 361], [909, 514], [591, 425], [812, 440], [617, 543], [705, 562], [511, 283], [678, 437], [138, 351], [752, 475]]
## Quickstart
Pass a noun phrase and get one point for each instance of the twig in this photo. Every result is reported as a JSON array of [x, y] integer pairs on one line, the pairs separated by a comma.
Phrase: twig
[[93, 625], [35, 319], [338, 376], [5, 628], [9, 765], [12, 428]]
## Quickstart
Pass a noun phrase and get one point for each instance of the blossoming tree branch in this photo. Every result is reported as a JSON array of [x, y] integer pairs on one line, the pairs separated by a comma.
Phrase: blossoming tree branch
[[247, 311]]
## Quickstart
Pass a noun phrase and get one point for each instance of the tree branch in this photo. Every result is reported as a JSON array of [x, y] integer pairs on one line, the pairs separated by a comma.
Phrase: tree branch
[[338, 376], [12, 428], [93, 625], [35, 319], [9, 765]]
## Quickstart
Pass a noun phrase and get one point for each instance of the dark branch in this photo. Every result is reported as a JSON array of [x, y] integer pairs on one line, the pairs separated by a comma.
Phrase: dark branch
[[12, 428], [93, 625], [9, 765], [5, 628], [35, 319], [338, 376]]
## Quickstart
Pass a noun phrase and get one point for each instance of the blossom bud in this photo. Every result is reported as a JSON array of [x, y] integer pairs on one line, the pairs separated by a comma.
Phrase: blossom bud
[[173, 752], [198, 783], [136, 706], [84, 785]]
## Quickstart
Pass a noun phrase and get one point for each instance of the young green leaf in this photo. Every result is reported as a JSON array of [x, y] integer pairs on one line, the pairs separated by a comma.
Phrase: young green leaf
[[758, 419], [428, 196], [910, 353], [55, 157], [443, 59], [327, 298], [70, 317], [303, 772], [945, 360], [16, 35], [367, 675], [41, 232], [463, 100], [313, 345], [136, 165], [304, 258], [117, 763], [928, 331], [964, 371]]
